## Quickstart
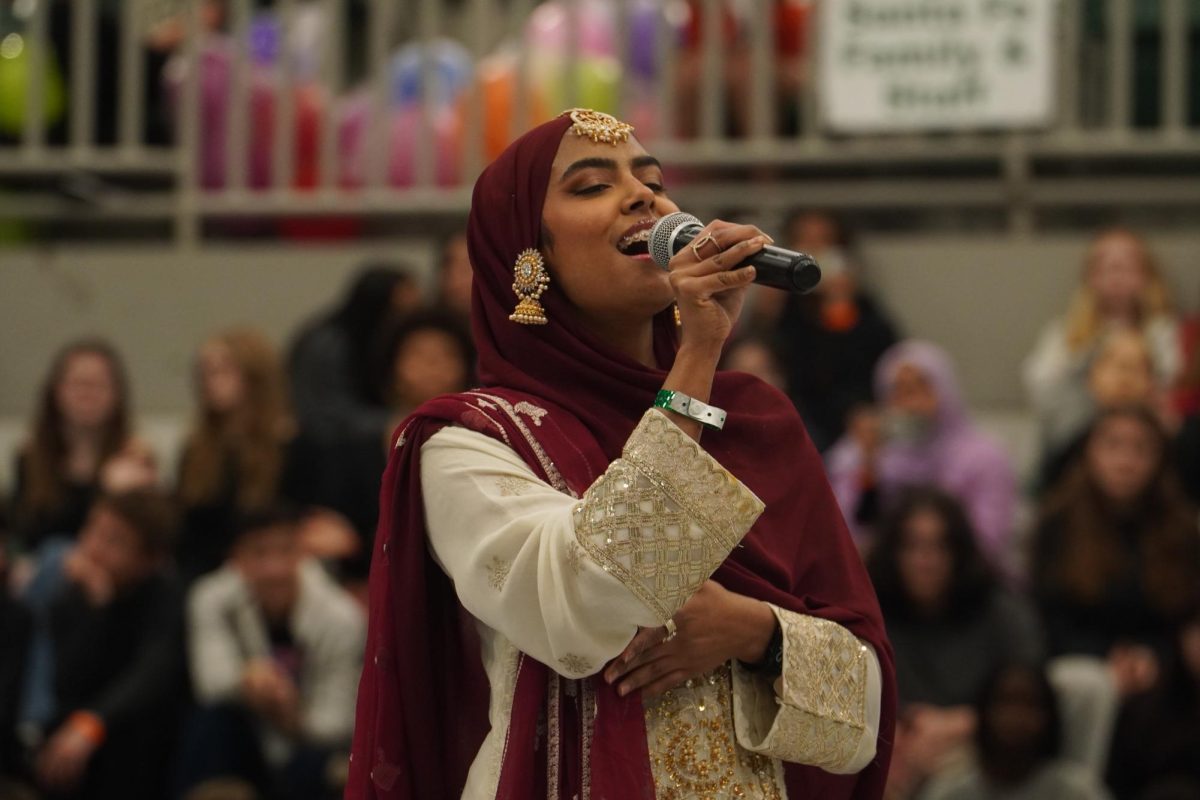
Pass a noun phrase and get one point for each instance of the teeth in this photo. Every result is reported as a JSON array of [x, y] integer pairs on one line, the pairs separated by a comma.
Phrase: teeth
[[640, 236]]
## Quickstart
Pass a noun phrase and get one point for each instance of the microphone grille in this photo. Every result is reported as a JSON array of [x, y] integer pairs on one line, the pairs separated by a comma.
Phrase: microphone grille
[[663, 232]]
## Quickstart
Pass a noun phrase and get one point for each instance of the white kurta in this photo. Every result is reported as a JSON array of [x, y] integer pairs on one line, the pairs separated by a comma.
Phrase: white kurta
[[567, 581]]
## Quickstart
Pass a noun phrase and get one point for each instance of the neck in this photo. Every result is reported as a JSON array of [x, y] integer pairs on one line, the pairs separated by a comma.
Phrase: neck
[[82, 435], [635, 339], [1012, 768]]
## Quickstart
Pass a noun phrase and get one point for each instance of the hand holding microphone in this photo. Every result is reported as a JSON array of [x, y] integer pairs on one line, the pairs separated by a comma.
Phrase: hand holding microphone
[[774, 266]]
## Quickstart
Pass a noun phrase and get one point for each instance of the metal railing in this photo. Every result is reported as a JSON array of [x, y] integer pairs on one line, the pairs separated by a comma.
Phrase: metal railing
[[272, 137]]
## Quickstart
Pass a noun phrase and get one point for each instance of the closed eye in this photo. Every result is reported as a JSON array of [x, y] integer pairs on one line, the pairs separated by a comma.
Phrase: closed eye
[[594, 189]]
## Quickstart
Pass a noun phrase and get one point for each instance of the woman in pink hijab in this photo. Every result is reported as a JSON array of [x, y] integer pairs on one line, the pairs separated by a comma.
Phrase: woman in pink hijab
[[926, 438]]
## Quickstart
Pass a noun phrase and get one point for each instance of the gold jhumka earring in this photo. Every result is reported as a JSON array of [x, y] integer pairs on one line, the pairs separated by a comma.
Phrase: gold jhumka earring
[[530, 280]]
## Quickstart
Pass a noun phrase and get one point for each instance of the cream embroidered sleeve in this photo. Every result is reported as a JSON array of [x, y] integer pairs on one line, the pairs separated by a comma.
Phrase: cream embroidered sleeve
[[569, 580], [827, 714]]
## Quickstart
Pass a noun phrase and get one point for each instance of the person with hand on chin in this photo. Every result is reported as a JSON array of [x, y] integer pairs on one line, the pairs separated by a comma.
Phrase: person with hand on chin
[[614, 571]]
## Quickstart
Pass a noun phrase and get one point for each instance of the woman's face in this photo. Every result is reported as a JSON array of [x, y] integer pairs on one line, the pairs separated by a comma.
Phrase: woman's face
[[1117, 274], [456, 275], [600, 204], [1122, 373], [429, 363], [222, 386], [756, 359], [1122, 457], [87, 391], [925, 561], [912, 393]]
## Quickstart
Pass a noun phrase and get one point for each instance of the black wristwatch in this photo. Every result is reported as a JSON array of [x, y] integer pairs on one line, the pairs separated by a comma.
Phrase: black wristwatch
[[771, 664]]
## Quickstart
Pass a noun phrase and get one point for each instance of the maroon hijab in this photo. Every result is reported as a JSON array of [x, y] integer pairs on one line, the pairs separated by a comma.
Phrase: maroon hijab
[[422, 705]]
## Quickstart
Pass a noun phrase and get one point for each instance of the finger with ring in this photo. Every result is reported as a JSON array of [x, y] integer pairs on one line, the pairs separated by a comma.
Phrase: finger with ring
[[671, 630], [707, 238]]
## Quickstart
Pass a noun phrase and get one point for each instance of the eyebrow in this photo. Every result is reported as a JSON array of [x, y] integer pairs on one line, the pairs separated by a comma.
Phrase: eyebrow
[[607, 163]]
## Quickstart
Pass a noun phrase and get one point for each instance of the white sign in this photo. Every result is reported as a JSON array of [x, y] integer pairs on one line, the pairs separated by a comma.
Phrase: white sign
[[902, 65]]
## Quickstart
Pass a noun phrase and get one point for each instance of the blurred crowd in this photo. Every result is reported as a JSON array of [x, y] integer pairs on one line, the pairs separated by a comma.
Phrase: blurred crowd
[[196, 630]]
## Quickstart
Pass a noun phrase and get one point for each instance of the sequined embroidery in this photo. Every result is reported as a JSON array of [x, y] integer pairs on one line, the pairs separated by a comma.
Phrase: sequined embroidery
[[694, 753], [821, 716], [574, 558], [664, 515], [576, 665], [510, 486], [498, 570], [552, 474]]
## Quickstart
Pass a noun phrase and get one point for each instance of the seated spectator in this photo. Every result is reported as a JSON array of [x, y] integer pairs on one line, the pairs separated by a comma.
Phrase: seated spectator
[[14, 634], [1187, 445], [454, 278], [334, 390], [275, 649], [830, 340], [950, 625], [423, 355], [756, 356], [1018, 746], [1116, 553], [80, 439], [1121, 375], [117, 668], [1121, 287], [241, 453], [1156, 746], [926, 437]]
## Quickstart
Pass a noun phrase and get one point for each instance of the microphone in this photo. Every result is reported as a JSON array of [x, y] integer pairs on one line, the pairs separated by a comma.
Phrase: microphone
[[773, 266]]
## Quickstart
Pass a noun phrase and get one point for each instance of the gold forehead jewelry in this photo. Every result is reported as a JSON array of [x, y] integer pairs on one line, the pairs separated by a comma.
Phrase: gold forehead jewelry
[[601, 128]]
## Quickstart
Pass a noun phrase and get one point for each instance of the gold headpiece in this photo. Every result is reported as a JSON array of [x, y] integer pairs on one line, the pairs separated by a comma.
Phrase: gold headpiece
[[598, 126]]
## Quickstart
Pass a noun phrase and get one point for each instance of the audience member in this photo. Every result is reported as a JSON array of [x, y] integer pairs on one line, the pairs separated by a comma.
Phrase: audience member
[[275, 653], [115, 633], [1156, 746], [14, 634], [1187, 443], [1121, 287], [423, 355], [757, 356], [333, 389], [1121, 375], [80, 439], [950, 625], [926, 437], [1116, 553], [1018, 752], [830, 339], [240, 453], [454, 278]]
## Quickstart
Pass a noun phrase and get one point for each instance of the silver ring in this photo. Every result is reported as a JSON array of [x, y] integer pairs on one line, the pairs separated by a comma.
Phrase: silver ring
[[671, 630]]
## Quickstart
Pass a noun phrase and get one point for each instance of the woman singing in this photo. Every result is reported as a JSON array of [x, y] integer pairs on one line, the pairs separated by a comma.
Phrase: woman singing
[[584, 584]]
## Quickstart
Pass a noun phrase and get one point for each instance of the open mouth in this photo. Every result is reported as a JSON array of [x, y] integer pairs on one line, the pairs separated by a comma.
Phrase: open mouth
[[637, 242]]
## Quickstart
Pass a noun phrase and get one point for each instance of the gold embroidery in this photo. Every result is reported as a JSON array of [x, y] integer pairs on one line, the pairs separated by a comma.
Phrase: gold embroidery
[[693, 750], [821, 716], [577, 665], [589, 722], [575, 558], [511, 486], [553, 742], [639, 520], [498, 572]]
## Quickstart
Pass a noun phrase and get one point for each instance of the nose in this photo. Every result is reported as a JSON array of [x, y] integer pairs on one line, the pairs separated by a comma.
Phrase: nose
[[640, 197]]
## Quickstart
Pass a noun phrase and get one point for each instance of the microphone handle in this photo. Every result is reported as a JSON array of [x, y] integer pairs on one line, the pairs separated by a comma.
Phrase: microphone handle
[[784, 269]]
